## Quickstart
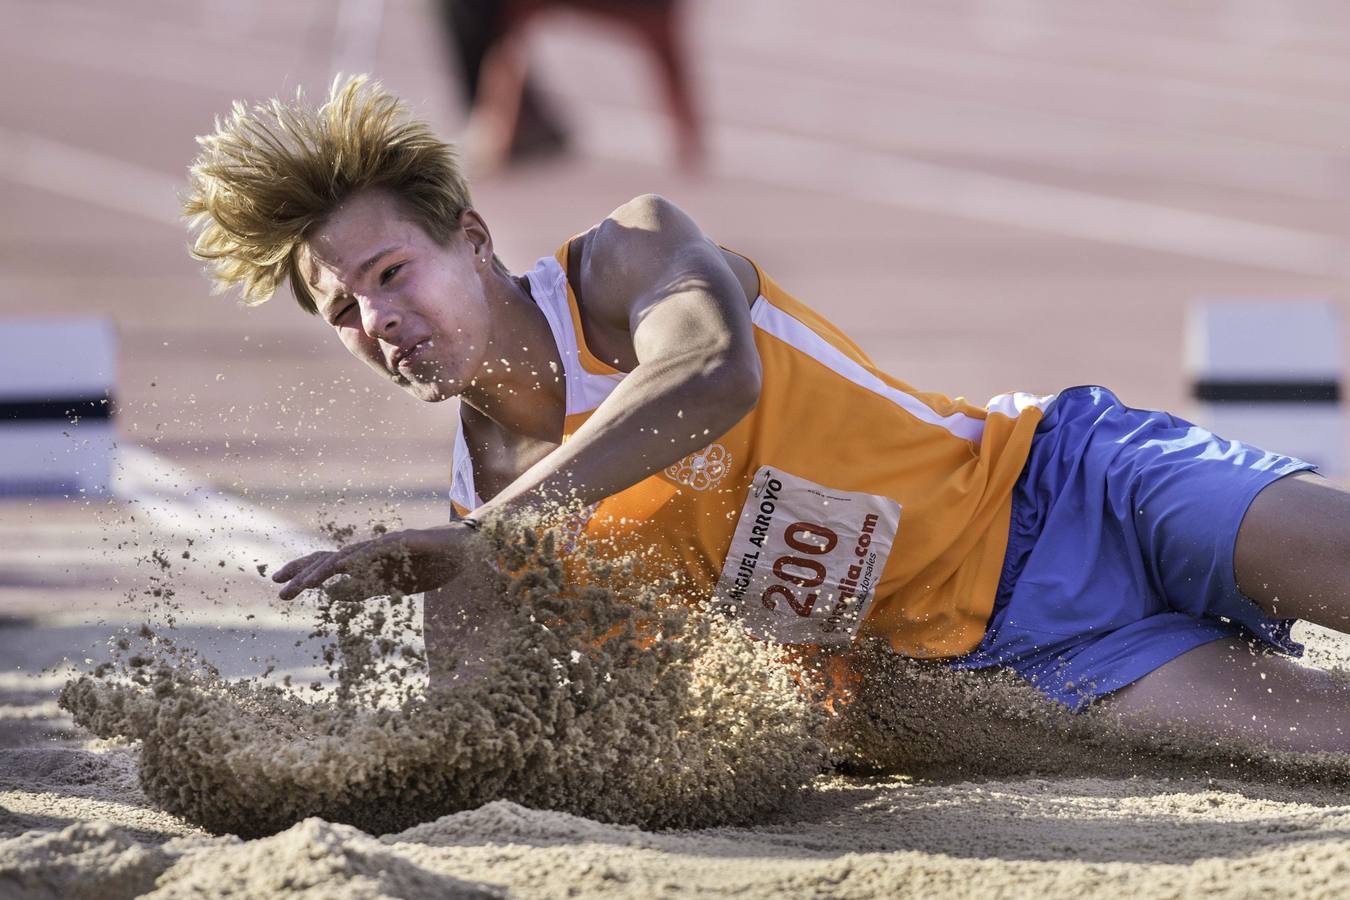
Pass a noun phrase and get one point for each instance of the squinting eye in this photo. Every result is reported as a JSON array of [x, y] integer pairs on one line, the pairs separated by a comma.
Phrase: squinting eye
[[389, 273]]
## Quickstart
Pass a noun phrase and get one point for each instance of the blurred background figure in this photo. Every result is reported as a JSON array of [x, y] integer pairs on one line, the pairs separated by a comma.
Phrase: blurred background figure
[[510, 119], [519, 127]]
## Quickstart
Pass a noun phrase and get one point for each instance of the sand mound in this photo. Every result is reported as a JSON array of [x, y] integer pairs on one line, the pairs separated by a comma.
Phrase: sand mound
[[608, 702], [90, 860], [110, 773], [504, 822], [312, 859], [1085, 837]]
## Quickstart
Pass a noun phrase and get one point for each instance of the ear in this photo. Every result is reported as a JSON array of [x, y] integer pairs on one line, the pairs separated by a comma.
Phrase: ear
[[476, 232]]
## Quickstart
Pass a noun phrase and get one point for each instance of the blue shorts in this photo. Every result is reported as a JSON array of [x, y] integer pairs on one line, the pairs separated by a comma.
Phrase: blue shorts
[[1120, 553]]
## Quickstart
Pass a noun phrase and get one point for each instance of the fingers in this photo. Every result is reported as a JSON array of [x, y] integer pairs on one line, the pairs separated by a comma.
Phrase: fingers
[[322, 567], [313, 570], [296, 566]]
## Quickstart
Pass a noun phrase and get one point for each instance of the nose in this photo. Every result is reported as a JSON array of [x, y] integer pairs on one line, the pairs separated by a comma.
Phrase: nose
[[379, 320]]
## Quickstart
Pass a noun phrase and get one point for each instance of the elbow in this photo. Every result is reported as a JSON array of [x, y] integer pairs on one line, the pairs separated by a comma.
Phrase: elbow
[[737, 384]]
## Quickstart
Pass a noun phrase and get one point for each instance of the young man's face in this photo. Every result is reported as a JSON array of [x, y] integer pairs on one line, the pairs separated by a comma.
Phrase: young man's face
[[412, 309]]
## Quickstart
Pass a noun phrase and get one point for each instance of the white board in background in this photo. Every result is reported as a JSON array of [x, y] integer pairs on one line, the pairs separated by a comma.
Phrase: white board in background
[[1269, 372], [57, 380]]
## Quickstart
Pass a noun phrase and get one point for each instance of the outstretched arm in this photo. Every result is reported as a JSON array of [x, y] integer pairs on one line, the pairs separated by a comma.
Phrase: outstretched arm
[[649, 270]]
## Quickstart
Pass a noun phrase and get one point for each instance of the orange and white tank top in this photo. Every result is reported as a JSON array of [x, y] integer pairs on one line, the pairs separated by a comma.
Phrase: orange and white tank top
[[846, 503]]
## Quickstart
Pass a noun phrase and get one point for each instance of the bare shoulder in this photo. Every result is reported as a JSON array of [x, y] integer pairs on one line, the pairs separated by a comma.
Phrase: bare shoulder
[[635, 248], [651, 213]]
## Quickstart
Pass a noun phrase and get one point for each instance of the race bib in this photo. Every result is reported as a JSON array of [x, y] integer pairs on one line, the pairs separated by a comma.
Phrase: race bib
[[805, 560]]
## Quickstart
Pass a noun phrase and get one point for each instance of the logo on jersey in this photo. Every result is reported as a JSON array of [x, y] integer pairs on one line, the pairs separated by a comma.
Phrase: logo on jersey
[[703, 469], [574, 525]]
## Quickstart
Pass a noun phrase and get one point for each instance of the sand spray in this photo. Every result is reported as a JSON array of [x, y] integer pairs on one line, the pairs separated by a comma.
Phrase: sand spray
[[606, 696], [611, 700]]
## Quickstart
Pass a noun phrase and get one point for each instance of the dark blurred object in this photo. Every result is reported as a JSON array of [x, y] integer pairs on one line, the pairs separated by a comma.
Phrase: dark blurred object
[[476, 30], [509, 120]]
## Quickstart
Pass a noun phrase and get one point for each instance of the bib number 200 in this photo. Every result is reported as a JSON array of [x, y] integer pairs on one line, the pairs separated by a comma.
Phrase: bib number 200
[[805, 571], [805, 559]]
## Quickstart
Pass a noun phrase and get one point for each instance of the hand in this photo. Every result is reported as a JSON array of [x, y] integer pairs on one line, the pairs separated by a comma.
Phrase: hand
[[410, 561]]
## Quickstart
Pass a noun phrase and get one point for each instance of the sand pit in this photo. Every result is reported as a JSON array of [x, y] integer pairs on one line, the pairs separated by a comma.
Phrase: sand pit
[[636, 750], [1092, 837]]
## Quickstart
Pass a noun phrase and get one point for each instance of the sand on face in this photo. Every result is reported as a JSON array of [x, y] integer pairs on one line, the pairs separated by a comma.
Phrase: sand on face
[[561, 772]]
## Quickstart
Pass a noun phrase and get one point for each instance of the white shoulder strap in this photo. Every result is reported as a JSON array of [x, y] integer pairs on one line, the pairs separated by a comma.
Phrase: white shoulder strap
[[584, 390]]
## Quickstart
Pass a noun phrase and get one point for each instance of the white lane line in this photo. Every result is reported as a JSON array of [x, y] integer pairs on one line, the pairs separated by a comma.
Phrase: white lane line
[[771, 157], [939, 122], [89, 176], [894, 104], [35, 681], [775, 158], [221, 525], [169, 495], [952, 56], [767, 156], [43, 709]]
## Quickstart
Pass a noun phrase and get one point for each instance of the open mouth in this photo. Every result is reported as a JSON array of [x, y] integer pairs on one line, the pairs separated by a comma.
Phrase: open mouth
[[403, 357]]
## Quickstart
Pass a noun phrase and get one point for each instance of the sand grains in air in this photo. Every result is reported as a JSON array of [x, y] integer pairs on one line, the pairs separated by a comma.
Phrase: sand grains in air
[[602, 714], [614, 703]]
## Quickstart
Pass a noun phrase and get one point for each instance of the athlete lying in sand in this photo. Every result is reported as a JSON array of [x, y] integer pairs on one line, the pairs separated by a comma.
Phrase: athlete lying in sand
[[695, 409]]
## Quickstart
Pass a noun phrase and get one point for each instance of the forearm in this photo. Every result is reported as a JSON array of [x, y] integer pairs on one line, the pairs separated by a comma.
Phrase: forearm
[[662, 411]]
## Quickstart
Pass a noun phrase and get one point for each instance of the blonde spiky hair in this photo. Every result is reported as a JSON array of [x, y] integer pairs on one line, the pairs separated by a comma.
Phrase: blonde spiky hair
[[272, 172]]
